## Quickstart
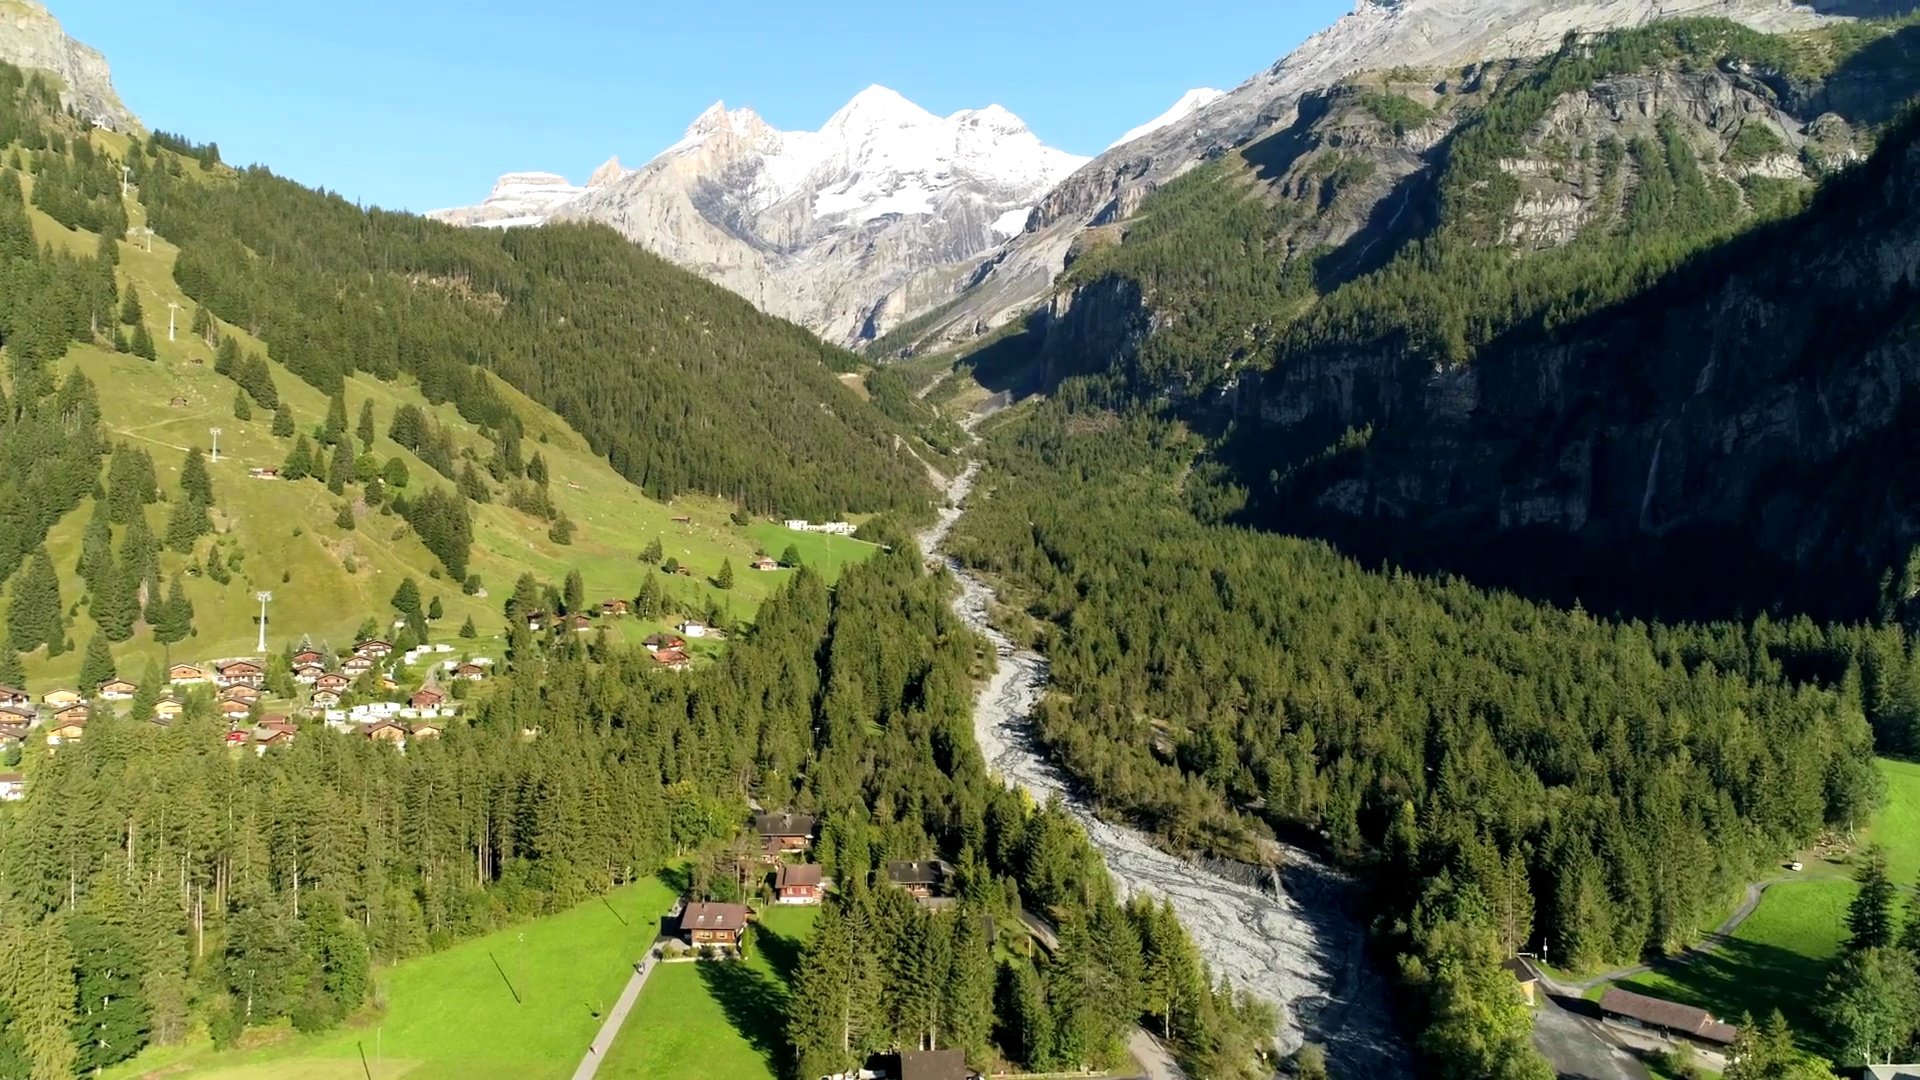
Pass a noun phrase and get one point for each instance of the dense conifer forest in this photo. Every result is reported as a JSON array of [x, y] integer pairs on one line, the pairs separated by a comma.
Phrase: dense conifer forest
[[1553, 781]]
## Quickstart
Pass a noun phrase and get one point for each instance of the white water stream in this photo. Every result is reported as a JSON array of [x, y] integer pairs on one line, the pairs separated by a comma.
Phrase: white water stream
[[1297, 949]]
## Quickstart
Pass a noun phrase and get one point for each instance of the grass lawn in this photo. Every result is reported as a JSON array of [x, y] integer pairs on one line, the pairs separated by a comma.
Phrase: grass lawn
[[712, 1019], [451, 1015], [1779, 956], [828, 555]]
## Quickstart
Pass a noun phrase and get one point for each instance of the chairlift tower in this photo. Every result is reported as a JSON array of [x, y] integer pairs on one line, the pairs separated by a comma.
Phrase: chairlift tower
[[215, 432], [264, 597], [172, 308]]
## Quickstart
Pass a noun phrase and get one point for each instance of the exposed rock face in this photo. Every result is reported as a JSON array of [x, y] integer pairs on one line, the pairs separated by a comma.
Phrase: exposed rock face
[[30, 37], [1378, 35], [521, 198], [848, 230]]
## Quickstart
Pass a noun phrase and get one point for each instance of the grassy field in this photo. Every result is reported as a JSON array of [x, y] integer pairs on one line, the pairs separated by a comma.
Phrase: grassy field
[[326, 579], [828, 555], [1779, 956], [451, 1015], [699, 1020]]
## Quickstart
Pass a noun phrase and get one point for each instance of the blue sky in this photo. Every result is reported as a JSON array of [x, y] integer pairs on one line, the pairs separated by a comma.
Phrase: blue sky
[[418, 104]]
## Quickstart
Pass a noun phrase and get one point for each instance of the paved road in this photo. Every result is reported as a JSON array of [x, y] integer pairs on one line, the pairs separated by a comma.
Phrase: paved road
[[611, 1028], [1579, 1049], [1711, 944], [1155, 1062]]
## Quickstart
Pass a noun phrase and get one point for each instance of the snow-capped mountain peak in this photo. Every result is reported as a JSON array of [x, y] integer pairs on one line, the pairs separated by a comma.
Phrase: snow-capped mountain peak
[[1190, 102], [877, 109]]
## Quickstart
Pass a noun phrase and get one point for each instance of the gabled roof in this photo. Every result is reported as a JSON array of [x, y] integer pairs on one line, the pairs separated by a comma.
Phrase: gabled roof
[[934, 1065], [705, 916], [1670, 1015], [918, 872], [797, 875], [785, 823]]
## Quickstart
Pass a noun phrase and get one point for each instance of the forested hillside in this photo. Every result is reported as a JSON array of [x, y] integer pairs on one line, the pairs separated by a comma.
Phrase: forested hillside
[[680, 384], [1505, 774]]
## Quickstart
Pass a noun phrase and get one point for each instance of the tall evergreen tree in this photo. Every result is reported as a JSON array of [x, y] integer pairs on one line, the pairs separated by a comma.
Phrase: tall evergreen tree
[[242, 410], [1870, 916], [283, 425], [130, 313], [142, 343], [724, 579], [111, 1020], [12, 672], [175, 617], [336, 425], [574, 596], [365, 429], [406, 598], [299, 463], [36, 617], [341, 468], [97, 667]]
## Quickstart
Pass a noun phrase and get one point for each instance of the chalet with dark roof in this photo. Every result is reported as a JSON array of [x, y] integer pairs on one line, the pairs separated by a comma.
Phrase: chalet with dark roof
[[924, 878], [14, 697], [1668, 1018], [790, 833], [713, 924], [798, 883]]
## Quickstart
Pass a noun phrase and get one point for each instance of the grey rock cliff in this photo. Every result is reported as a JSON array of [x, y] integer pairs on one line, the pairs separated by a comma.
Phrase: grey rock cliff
[[30, 37]]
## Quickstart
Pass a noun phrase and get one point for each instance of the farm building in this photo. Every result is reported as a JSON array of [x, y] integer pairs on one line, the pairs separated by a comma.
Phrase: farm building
[[713, 924], [1667, 1017]]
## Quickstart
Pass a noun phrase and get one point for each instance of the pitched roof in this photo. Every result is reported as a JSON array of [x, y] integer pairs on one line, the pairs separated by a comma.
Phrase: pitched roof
[[705, 916], [797, 875], [917, 872], [1670, 1015], [786, 823], [934, 1065]]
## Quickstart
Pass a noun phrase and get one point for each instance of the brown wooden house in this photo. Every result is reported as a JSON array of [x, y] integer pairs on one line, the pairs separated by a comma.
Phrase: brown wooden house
[[117, 690], [240, 673], [384, 730], [375, 648], [786, 831], [61, 699], [14, 697], [426, 698], [1667, 1017], [614, 609], [798, 883], [186, 674], [924, 878], [714, 924]]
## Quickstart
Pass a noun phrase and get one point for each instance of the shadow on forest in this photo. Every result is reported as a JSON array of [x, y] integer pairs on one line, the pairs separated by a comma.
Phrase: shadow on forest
[[782, 952], [754, 1003]]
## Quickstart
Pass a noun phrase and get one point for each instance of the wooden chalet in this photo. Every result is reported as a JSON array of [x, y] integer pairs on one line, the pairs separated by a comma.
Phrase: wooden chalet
[[240, 673], [385, 730], [14, 697], [579, 624], [69, 726], [714, 924], [116, 690], [798, 883], [265, 472], [356, 665], [169, 708], [426, 698], [333, 681], [672, 659], [240, 692], [787, 832], [12, 734], [924, 878], [470, 672], [13, 787], [306, 657], [187, 675], [308, 674], [266, 736], [657, 642], [325, 699], [61, 699], [235, 710], [426, 729], [536, 621], [1667, 1017], [375, 648], [614, 609], [765, 563]]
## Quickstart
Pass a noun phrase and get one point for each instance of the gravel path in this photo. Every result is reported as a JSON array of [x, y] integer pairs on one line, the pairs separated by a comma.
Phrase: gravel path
[[610, 1030], [1307, 959]]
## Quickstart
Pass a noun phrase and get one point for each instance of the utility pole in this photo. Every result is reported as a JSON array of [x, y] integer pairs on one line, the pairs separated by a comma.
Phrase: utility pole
[[135, 234], [216, 442], [263, 597], [126, 171], [171, 308]]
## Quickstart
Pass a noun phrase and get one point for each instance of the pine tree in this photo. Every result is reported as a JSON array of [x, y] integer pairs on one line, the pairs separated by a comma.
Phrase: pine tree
[[341, 468], [435, 610], [242, 410], [537, 469], [12, 672], [365, 428], [194, 480], [299, 463], [395, 473], [336, 426], [654, 552], [468, 630], [130, 313], [111, 1019], [175, 620], [725, 578], [406, 598], [647, 603], [202, 327], [344, 519], [283, 425], [97, 667], [187, 523], [142, 344], [968, 986], [96, 550], [574, 594], [36, 616], [1870, 916], [561, 531], [472, 485]]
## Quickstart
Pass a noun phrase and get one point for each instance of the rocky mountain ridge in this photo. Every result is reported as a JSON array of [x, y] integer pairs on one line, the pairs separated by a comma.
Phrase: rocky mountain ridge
[[1378, 36], [847, 230], [30, 37]]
